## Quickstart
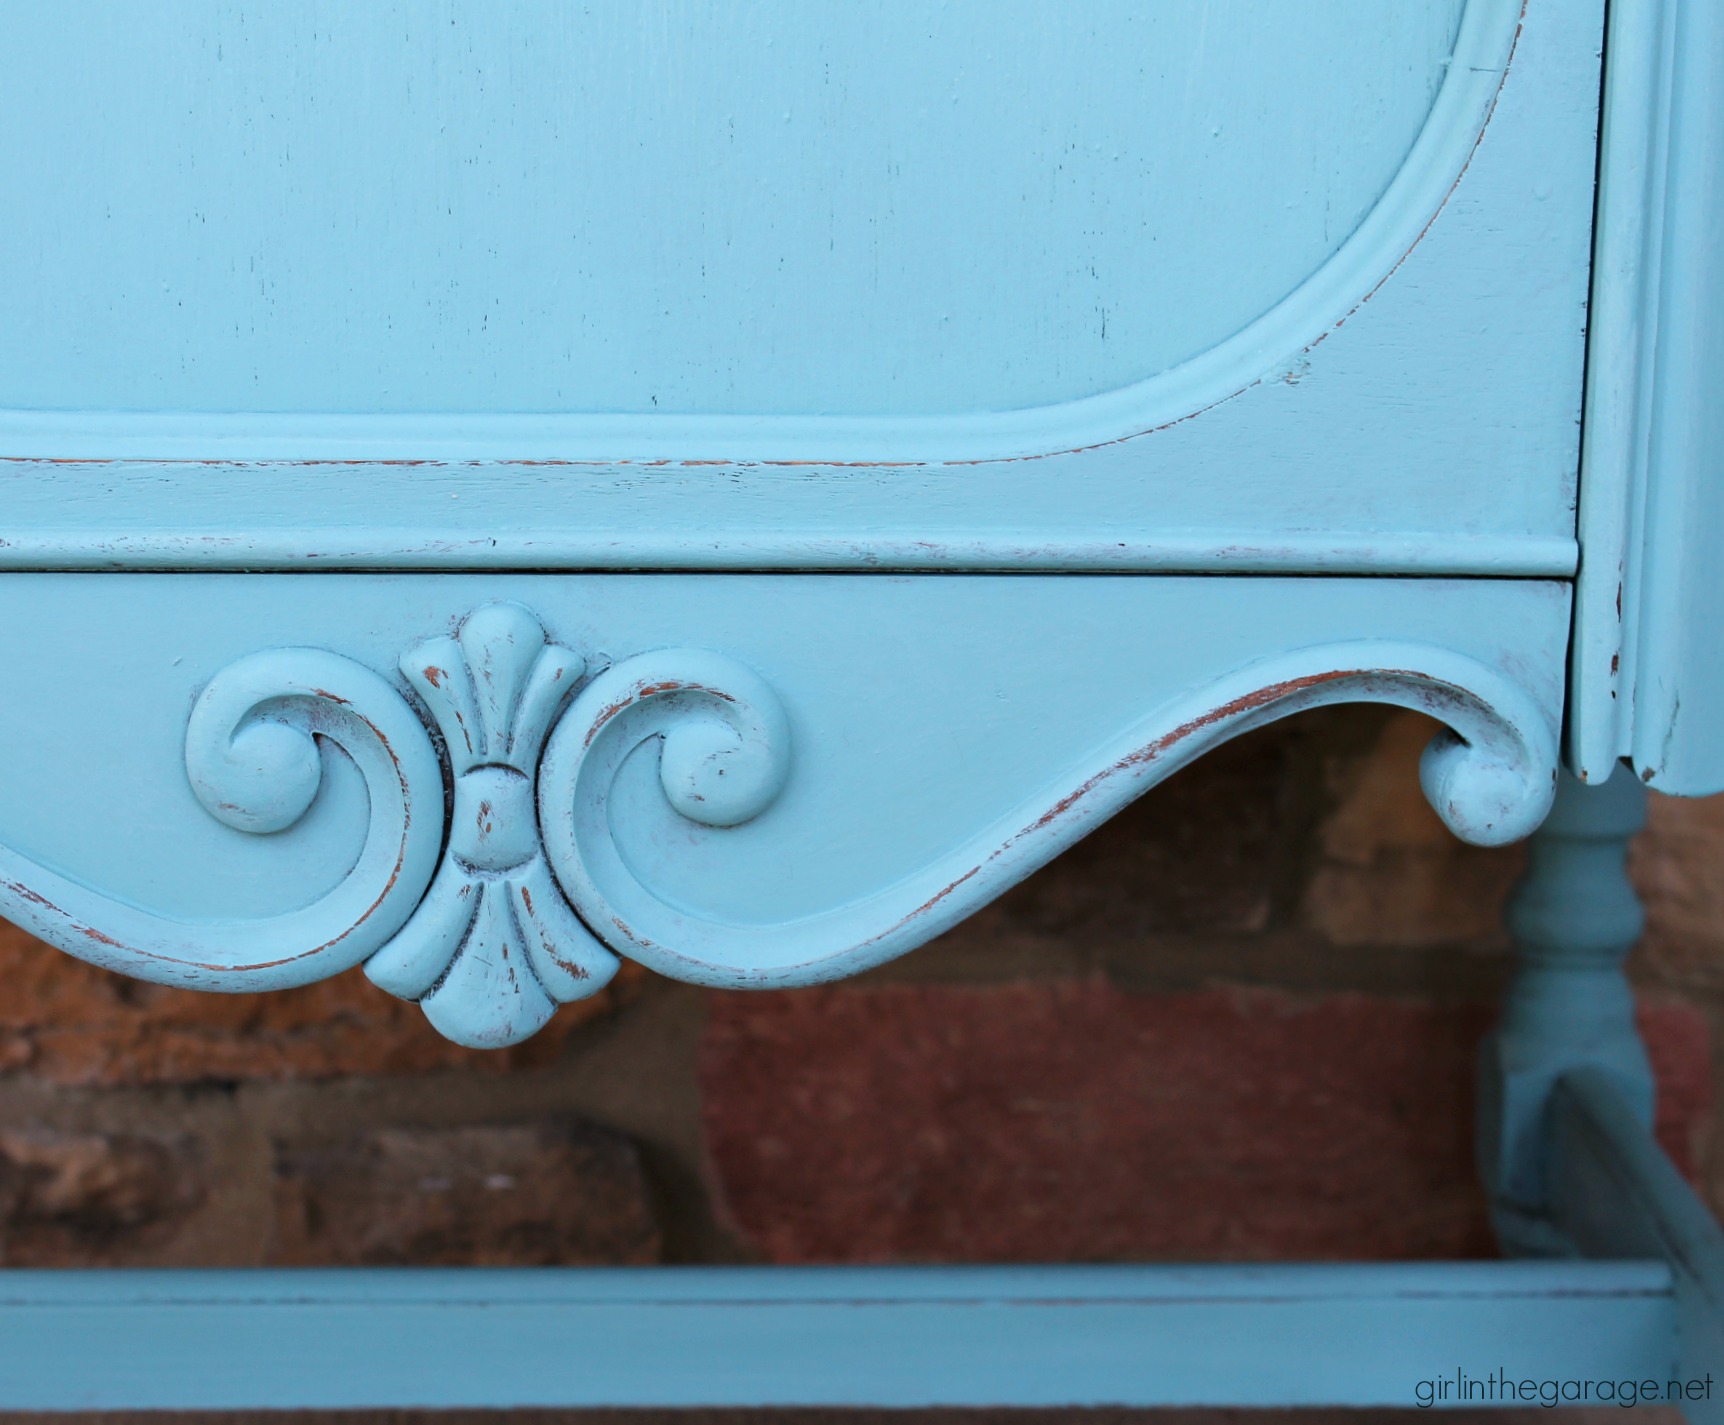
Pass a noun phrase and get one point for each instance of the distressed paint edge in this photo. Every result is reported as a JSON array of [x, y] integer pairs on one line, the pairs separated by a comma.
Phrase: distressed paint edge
[[1653, 374], [1676, 592], [1490, 776], [253, 759], [1620, 367], [1454, 128], [577, 550]]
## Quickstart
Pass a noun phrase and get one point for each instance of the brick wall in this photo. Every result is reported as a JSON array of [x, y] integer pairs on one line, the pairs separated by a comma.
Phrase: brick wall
[[1238, 1022]]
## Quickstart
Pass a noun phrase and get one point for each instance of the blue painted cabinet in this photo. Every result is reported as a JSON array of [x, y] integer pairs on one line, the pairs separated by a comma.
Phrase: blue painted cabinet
[[487, 489]]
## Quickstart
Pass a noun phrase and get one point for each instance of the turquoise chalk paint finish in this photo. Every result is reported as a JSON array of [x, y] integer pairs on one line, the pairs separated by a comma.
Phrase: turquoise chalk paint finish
[[979, 1336], [1222, 288], [488, 490], [1648, 680]]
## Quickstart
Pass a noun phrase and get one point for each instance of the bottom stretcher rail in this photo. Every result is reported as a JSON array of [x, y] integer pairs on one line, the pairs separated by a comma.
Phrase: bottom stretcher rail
[[1386, 1334]]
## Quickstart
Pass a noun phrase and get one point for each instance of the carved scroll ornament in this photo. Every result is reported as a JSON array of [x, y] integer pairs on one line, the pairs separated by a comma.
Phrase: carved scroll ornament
[[491, 885]]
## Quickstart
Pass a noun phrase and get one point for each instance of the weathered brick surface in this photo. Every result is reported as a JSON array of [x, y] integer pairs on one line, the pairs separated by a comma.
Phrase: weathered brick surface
[[1070, 1121], [92, 1199], [1201, 852], [1678, 867], [70, 1023], [546, 1193], [1388, 871], [1679, 1042], [1076, 1072]]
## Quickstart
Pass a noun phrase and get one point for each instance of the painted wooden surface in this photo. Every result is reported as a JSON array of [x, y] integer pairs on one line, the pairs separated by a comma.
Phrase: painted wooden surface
[[1678, 663], [1566, 1144], [1648, 673], [1574, 917], [1615, 1194], [744, 780], [1337, 313], [1225, 289], [1216, 1335], [1439, 1334], [642, 209]]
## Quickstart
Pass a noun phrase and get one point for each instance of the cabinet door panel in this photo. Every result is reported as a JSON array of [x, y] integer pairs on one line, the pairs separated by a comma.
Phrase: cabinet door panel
[[774, 208], [1187, 286]]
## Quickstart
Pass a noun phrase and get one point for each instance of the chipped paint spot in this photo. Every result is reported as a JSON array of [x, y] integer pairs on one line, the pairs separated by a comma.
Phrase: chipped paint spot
[[926, 905], [19, 889], [641, 692]]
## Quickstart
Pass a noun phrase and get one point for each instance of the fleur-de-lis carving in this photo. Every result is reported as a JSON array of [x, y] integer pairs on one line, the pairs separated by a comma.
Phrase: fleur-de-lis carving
[[494, 947], [494, 865]]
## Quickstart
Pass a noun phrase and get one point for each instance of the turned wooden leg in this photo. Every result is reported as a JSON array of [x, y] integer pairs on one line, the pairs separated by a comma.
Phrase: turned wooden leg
[[1565, 1121], [1574, 918]]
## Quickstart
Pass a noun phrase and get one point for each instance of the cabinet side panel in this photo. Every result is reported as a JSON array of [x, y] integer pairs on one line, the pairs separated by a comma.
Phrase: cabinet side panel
[[1677, 657], [1621, 338]]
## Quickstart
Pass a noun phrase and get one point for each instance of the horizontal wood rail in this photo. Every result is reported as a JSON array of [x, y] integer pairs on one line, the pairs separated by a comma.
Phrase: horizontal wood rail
[[539, 540], [1079, 1335], [1615, 1193]]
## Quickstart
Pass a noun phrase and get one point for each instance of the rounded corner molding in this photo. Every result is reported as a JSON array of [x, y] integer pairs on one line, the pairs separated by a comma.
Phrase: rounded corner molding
[[492, 904], [1459, 114]]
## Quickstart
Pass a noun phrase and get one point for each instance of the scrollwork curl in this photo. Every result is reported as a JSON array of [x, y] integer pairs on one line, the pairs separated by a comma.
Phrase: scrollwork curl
[[1489, 775], [253, 759], [493, 909], [724, 759]]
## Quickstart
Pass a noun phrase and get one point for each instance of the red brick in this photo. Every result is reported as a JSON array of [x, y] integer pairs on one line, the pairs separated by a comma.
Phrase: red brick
[[1679, 1043], [1388, 872], [92, 1199], [544, 1193], [1196, 853], [1072, 1121], [67, 1022], [1678, 868]]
